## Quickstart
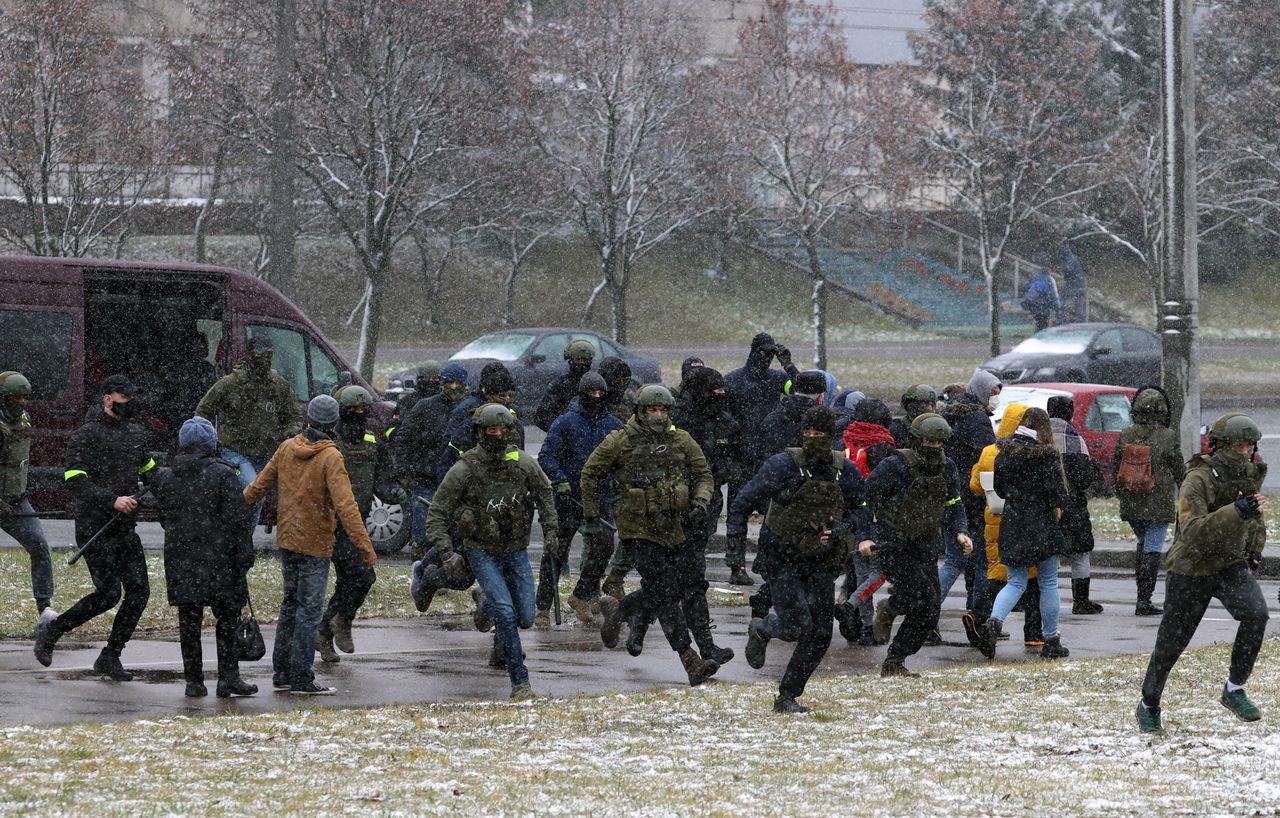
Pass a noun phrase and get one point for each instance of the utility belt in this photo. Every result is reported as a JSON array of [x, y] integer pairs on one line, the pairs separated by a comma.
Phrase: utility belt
[[657, 500]]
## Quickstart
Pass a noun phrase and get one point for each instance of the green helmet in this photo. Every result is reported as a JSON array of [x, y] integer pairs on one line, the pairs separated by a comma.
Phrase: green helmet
[[1234, 427], [493, 414], [430, 369], [920, 393], [352, 396], [579, 348], [930, 426], [654, 394], [14, 385]]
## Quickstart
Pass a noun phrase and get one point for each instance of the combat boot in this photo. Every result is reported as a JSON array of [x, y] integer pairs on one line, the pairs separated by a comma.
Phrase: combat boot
[[195, 690], [894, 666], [341, 629], [738, 576], [637, 627], [235, 687], [698, 669], [582, 608], [990, 634], [788, 705], [612, 624], [324, 645], [1053, 648], [1080, 602], [522, 692], [1148, 571], [614, 585], [109, 665]]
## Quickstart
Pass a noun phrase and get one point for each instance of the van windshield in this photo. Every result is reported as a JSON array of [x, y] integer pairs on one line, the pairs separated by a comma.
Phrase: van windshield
[[500, 346]]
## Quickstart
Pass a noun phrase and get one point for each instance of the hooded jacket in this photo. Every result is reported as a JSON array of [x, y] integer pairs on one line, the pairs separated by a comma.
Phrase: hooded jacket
[[314, 489], [1211, 534], [987, 463], [571, 440], [717, 432], [252, 414], [754, 389], [1028, 475], [782, 428], [207, 545], [555, 401], [970, 419], [1151, 428], [420, 440]]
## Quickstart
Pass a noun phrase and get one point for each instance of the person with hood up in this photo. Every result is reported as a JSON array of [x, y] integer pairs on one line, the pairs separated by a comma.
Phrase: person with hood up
[[981, 483], [496, 386], [812, 500], [1216, 554], [206, 553], [915, 497], [253, 409], [622, 393], [866, 443], [1040, 298], [1074, 299], [579, 353], [1148, 468], [1082, 475], [781, 428], [663, 484], [970, 419], [1028, 475], [571, 440], [314, 489], [687, 367]]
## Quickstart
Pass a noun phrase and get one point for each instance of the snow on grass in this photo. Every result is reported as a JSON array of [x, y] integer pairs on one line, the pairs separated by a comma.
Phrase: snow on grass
[[1047, 739]]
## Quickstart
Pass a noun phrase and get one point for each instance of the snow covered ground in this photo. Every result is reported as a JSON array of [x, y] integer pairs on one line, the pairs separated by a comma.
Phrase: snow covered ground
[[1039, 739]]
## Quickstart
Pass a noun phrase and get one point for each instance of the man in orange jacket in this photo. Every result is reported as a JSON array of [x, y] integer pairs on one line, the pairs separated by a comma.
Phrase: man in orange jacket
[[314, 488]]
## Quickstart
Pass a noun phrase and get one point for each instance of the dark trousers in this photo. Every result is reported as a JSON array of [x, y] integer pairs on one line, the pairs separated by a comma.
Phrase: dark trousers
[[803, 610], [352, 580], [914, 574], [554, 559], [691, 577], [659, 594], [190, 618], [119, 569], [1032, 629], [735, 555], [1186, 599]]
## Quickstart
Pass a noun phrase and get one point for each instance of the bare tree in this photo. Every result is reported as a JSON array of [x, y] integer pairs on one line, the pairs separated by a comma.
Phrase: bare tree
[[78, 141], [818, 129], [1017, 86], [618, 117]]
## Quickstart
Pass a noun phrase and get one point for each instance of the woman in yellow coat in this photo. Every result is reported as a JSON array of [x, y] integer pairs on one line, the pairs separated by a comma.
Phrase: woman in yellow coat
[[997, 574]]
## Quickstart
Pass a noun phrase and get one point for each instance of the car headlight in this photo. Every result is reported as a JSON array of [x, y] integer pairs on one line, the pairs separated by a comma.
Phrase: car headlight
[[1044, 372]]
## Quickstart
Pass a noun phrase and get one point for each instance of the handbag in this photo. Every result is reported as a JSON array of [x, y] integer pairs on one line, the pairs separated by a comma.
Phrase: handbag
[[995, 503], [250, 646]]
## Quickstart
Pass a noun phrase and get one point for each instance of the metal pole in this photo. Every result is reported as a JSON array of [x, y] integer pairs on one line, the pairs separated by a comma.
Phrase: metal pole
[[1180, 316]]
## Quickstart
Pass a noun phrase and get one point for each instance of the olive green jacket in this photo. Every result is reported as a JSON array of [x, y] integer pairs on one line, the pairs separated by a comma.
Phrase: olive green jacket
[[253, 416], [1157, 505], [610, 460], [458, 499], [1211, 534]]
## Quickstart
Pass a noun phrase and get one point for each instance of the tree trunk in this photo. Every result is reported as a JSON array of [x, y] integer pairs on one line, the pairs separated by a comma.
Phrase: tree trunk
[[993, 310], [618, 294], [509, 302], [282, 216], [206, 211], [819, 301], [372, 327]]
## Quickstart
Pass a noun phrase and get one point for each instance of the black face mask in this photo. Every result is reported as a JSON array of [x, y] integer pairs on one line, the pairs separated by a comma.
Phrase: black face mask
[[494, 444], [426, 388], [125, 411], [594, 407], [579, 367], [258, 364], [11, 410], [353, 425]]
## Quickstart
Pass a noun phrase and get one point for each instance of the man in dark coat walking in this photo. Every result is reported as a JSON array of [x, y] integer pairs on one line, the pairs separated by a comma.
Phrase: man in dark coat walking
[[555, 402], [496, 386], [207, 553], [418, 445]]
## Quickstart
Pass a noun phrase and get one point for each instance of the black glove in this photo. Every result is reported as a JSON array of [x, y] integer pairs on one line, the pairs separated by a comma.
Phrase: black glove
[[591, 527], [697, 515], [6, 510], [784, 356], [1247, 506], [1255, 562]]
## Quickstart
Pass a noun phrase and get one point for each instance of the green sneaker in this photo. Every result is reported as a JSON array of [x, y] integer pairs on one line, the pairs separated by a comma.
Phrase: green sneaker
[[1149, 719], [1237, 702]]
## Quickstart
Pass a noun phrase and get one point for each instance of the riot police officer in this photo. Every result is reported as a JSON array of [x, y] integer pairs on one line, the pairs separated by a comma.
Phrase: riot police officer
[[915, 401], [17, 517]]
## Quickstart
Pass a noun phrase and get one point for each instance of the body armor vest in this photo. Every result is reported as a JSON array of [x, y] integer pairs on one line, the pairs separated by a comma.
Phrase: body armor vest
[[497, 496], [814, 506], [920, 512], [361, 459], [14, 456], [656, 482]]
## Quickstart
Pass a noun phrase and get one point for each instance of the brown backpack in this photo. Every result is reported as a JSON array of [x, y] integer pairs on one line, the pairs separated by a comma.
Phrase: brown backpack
[[1135, 474]]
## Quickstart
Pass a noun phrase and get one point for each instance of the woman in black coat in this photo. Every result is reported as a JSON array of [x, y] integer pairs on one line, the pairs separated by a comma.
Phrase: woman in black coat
[[207, 553], [1028, 475], [1082, 475]]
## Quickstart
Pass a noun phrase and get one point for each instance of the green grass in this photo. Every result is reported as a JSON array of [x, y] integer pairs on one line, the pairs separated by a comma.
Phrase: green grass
[[990, 739]]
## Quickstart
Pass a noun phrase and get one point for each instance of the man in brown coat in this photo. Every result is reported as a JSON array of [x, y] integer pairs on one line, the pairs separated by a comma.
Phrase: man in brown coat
[[314, 488]]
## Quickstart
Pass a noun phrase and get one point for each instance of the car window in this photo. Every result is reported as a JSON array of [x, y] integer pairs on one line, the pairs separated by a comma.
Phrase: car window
[[324, 371], [37, 343], [289, 357], [500, 346], [611, 350], [1135, 340], [1110, 339], [1055, 342], [552, 346], [1109, 413]]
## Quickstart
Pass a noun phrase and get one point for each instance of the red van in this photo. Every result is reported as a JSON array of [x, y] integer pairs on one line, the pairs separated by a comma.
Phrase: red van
[[175, 328]]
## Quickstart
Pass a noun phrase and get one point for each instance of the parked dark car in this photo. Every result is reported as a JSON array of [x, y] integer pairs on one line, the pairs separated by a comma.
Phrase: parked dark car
[[535, 357], [1113, 354]]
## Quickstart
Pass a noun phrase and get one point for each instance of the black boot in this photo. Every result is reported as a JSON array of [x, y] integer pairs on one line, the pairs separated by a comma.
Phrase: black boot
[[1148, 571], [235, 687], [698, 615], [849, 618], [637, 627], [108, 664], [1080, 602]]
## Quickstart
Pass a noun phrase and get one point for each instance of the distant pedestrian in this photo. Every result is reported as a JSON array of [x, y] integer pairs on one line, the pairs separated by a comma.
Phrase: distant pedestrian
[[1040, 298], [1074, 298]]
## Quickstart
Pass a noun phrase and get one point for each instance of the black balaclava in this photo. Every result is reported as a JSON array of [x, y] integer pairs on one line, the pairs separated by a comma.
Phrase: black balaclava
[[819, 419], [702, 384], [617, 374], [872, 410], [762, 352], [352, 423], [593, 407], [493, 444], [688, 367]]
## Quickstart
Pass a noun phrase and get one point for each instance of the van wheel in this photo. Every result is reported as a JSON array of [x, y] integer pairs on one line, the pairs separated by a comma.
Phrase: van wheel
[[388, 527]]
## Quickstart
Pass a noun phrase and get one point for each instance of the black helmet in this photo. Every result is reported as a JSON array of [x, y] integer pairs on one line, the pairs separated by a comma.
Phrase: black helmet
[[493, 414], [930, 426], [1234, 427], [920, 393]]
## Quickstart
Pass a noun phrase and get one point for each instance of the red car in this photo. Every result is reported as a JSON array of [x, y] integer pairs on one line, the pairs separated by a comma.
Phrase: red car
[[1102, 412]]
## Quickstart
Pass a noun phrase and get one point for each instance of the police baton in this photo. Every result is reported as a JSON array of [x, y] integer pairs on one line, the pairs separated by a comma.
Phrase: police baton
[[137, 498], [601, 520]]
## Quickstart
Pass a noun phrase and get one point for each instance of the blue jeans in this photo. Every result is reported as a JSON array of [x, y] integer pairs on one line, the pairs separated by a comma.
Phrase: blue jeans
[[247, 469], [305, 581], [507, 583], [1047, 576], [1150, 535], [29, 534], [953, 567], [418, 513]]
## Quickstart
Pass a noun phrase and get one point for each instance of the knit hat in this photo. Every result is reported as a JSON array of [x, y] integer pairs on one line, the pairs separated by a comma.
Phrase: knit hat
[[819, 419], [495, 379], [810, 382], [323, 410], [197, 433], [1062, 407], [453, 373]]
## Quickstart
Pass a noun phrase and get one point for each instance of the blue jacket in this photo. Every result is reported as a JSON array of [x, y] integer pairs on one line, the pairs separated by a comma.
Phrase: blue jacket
[[570, 441], [782, 428], [889, 481], [459, 435], [779, 479]]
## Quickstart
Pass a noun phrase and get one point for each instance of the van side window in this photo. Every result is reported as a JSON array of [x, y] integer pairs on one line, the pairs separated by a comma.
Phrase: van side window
[[1109, 413], [37, 343], [289, 358], [324, 372]]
